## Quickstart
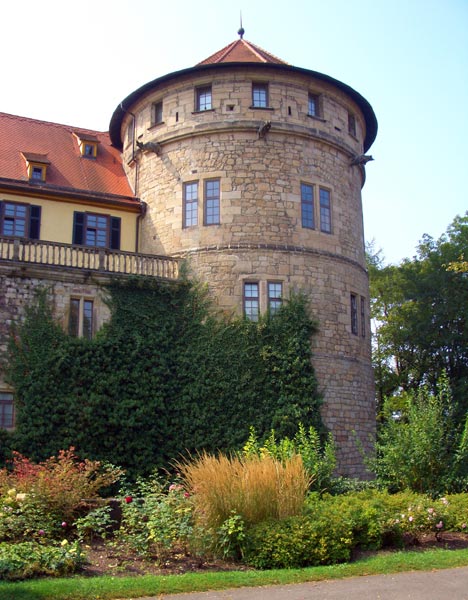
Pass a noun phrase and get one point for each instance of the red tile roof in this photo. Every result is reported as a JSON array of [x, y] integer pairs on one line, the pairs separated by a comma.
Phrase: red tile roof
[[68, 170], [242, 51]]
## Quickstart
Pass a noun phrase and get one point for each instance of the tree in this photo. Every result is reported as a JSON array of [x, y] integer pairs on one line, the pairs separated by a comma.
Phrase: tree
[[420, 312]]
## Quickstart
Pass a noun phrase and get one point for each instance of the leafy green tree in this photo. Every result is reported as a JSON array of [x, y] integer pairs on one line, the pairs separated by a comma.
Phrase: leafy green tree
[[420, 312]]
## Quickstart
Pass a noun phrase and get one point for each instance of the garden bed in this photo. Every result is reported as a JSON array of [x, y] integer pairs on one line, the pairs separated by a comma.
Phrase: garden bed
[[107, 559]]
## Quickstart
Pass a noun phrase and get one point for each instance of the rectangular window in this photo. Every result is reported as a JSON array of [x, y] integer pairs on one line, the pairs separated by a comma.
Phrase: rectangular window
[[260, 95], [307, 206], [7, 410], [80, 323], [190, 204], [325, 211], [351, 124], [20, 220], [251, 301], [203, 98], [99, 231], [313, 110], [275, 296], [363, 316], [157, 113], [37, 173], [90, 150], [354, 314], [212, 202]]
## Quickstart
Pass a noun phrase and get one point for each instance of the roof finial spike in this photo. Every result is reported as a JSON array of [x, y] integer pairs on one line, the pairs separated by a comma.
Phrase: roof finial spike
[[241, 30]]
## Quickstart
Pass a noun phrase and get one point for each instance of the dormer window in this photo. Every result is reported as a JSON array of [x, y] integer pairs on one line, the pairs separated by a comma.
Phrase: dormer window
[[36, 165], [87, 144]]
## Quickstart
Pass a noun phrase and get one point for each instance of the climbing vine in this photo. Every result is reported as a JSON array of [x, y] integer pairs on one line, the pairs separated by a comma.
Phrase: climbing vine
[[165, 376]]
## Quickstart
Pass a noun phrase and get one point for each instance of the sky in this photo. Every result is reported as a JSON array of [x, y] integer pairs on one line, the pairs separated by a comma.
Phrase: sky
[[73, 62]]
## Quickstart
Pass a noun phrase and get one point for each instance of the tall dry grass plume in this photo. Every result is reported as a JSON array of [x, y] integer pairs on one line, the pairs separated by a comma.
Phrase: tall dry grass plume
[[256, 488]]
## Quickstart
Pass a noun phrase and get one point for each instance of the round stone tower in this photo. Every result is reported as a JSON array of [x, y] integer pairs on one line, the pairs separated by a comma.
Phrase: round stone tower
[[252, 169]]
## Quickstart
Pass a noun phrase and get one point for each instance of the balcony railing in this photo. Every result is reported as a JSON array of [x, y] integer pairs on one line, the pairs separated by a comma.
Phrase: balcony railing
[[99, 260]]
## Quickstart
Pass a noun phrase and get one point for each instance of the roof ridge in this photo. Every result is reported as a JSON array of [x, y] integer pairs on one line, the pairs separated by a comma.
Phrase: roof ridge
[[53, 123]]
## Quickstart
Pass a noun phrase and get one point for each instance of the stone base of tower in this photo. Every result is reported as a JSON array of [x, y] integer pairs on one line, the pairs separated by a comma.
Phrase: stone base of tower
[[348, 410]]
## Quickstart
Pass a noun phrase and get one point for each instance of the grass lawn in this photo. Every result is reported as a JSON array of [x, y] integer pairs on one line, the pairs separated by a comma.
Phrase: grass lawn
[[111, 588]]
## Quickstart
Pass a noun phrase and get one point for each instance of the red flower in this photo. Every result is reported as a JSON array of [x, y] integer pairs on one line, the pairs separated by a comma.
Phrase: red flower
[[128, 499]]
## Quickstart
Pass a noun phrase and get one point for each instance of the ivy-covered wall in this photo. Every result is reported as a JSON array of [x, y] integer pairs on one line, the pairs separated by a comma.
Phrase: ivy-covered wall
[[164, 376]]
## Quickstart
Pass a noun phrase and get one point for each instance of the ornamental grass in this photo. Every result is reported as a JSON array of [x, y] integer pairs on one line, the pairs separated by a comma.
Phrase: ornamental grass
[[256, 488]]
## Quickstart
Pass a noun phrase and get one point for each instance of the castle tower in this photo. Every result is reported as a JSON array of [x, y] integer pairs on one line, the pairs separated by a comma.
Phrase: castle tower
[[252, 169]]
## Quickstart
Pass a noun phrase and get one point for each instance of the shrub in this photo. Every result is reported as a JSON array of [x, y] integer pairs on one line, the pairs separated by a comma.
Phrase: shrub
[[319, 459], [97, 523], [58, 486], [156, 517], [321, 539], [30, 559], [255, 488], [422, 450]]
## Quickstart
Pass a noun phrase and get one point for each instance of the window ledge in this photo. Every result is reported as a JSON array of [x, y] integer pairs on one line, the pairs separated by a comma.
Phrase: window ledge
[[154, 125], [198, 112], [261, 107], [317, 118]]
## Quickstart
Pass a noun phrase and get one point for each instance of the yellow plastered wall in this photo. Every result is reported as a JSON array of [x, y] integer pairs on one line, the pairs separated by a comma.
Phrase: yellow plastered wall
[[57, 219]]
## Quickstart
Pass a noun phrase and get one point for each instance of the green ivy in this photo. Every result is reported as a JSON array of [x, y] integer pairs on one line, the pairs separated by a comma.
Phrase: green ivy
[[163, 377]]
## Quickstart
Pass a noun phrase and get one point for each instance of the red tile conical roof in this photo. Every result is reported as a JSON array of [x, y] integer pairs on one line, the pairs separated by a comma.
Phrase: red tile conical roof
[[242, 51]]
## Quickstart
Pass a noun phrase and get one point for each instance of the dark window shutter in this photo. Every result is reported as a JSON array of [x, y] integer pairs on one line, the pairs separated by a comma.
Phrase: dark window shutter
[[34, 222], [115, 233], [78, 227], [1, 217]]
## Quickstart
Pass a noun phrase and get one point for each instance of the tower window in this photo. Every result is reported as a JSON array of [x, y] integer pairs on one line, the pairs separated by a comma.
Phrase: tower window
[[351, 124], [354, 314], [203, 98], [363, 316], [260, 95], [313, 106], [325, 211], [212, 202], [157, 116], [190, 207], [251, 301], [307, 206], [275, 296]]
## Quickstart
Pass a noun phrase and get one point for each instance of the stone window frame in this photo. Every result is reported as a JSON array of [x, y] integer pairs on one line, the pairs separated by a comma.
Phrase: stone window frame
[[353, 301], [325, 210], [260, 89], [157, 113], [316, 99], [202, 92], [81, 317], [307, 206], [251, 300], [211, 202], [7, 417], [275, 300], [363, 317], [32, 220], [190, 217], [352, 128]]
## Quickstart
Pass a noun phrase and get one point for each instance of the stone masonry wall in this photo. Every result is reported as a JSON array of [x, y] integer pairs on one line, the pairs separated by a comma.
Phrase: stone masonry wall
[[260, 236]]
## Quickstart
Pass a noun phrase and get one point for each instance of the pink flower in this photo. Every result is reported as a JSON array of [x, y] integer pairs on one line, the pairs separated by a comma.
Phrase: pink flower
[[430, 511], [186, 495], [128, 499], [64, 523], [41, 532], [444, 501], [463, 525], [410, 519], [439, 525]]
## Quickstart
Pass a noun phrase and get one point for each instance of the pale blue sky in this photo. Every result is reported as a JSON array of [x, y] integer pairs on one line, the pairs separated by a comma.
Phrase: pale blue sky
[[73, 62]]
